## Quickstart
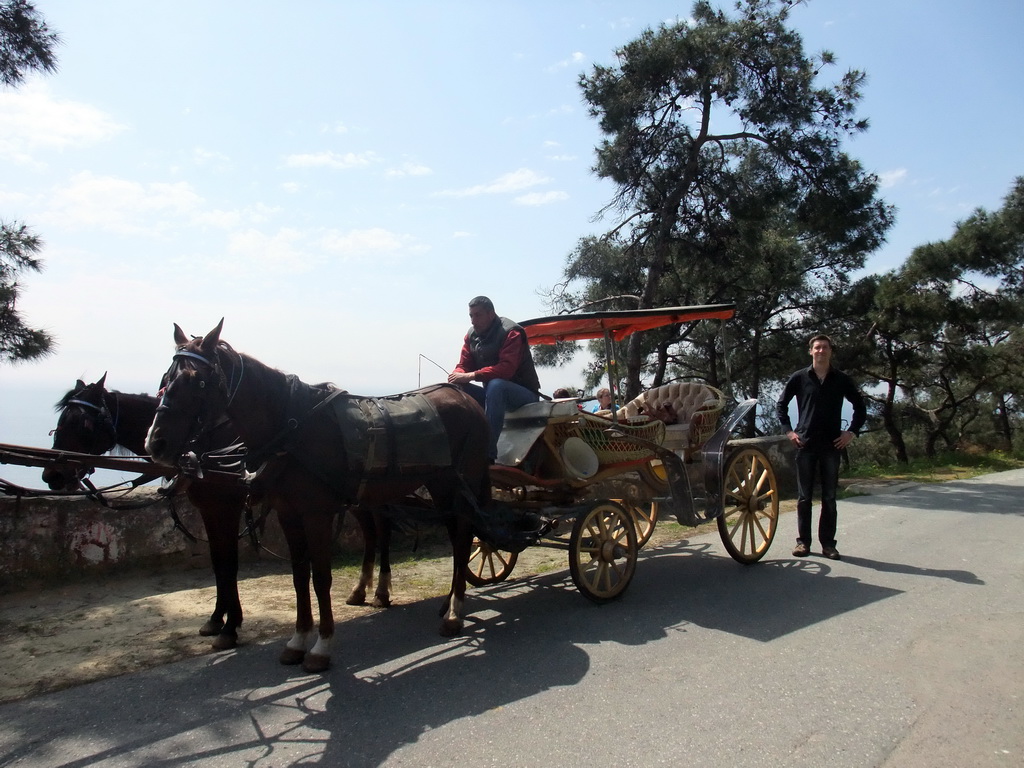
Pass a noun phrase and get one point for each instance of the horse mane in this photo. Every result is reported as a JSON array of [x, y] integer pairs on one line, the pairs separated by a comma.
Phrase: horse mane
[[62, 403]]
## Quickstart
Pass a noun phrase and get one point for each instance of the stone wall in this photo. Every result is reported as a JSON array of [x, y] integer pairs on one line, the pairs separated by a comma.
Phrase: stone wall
[[60, 536]]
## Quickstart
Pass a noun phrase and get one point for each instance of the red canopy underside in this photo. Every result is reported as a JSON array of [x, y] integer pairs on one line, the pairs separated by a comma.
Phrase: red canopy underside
[[594, 325]]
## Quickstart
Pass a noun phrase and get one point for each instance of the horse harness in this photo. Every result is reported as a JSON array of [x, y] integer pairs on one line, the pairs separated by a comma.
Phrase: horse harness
[[384, 438]]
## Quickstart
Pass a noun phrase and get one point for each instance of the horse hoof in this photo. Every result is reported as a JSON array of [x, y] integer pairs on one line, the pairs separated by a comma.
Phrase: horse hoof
[[290, 657], [314, 663], [381, 602], [225, 641], [356, 600], [451, 628], [209, 629]]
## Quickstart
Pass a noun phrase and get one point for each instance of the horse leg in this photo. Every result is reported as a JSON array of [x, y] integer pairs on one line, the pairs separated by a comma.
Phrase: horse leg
[[318, 535], [376, 532], [369, 531], [221, 523], [461, 538], [382, 597], [295, 650]]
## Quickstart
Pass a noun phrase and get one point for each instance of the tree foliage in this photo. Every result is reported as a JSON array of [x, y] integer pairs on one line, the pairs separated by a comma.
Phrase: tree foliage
[[26, 45], [18, 342], [731, 185], [942, 334]]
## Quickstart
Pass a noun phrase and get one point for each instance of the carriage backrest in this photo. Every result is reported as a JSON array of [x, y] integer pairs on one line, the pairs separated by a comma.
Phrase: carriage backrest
[[696, 406]]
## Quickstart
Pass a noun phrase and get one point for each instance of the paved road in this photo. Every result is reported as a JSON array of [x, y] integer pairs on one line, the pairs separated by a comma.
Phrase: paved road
[[909, 652]]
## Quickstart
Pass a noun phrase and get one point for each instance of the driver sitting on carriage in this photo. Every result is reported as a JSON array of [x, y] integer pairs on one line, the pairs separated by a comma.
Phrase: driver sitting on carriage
[[496, 354]]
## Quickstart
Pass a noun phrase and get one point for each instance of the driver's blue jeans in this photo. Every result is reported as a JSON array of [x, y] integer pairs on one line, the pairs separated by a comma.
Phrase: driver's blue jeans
[[498, 397], [817, 464]]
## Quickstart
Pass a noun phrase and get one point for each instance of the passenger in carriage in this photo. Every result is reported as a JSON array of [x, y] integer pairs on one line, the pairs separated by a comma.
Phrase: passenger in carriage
[[496, 355], [603, 401]]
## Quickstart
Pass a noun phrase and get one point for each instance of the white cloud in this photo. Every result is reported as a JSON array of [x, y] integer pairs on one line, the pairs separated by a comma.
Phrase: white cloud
[[31, 119], [208, 157], [892, 178], [338, 127], [9, 198], [366, 243], [575, 59], [331, 159], [253, 248], [409, 169], [111, 204], [541, 198], [515, 181], [121, 206]]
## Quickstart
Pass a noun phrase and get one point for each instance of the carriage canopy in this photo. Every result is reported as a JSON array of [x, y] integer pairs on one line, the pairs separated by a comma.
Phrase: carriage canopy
[[618, 324]]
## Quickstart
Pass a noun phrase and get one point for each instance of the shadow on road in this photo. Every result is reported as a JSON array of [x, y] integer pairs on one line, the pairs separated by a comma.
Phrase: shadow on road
[[964, 577], [954, 496], [394, 680]]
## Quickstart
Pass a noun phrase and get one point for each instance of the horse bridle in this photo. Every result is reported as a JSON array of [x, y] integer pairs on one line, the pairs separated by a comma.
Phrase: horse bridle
[[206, 421], [106, 423]]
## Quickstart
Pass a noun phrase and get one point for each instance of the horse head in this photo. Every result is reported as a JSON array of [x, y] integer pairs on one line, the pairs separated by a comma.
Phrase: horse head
[[194, 395], [85, 425]]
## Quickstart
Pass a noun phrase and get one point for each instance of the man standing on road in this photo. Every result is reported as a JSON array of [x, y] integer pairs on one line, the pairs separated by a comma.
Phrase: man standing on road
[[819, 439], [496, 354]]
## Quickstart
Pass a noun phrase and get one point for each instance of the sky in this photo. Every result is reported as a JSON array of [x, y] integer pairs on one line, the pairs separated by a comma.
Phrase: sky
[[336, 179]]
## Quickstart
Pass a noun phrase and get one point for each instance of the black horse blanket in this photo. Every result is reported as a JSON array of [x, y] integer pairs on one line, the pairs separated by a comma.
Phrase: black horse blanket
[[391, 435]]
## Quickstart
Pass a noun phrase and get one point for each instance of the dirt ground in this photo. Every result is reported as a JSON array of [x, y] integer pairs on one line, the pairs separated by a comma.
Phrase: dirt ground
[[64, 635], [58, 636]]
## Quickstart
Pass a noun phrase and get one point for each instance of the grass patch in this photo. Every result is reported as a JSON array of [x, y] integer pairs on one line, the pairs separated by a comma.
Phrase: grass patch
[[942, 467]]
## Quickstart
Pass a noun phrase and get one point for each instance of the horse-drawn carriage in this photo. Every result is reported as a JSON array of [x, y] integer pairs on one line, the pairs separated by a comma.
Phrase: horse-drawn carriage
[[591, 484], [599, 482]]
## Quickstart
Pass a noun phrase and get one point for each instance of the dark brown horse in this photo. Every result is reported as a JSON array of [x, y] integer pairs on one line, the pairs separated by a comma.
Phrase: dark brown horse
[[93, 420], [309, 467]]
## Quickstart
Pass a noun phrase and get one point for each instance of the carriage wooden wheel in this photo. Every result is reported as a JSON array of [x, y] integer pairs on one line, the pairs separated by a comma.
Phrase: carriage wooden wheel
[[654, 475], [645, 518], [602, 551], [488, 565], [751, 499]]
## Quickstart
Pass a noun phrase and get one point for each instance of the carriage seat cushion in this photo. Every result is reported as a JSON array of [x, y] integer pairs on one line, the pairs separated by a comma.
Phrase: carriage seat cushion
[[686, 398]]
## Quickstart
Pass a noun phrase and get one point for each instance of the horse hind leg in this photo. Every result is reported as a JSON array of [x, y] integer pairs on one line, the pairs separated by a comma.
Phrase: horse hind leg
[[382, 596], [376, 531], [451, 611], [365, 582]]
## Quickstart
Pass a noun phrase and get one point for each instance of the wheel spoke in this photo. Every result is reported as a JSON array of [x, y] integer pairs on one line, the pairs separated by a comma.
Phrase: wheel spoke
[[735, 527], [760, 482], [764, 533]]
